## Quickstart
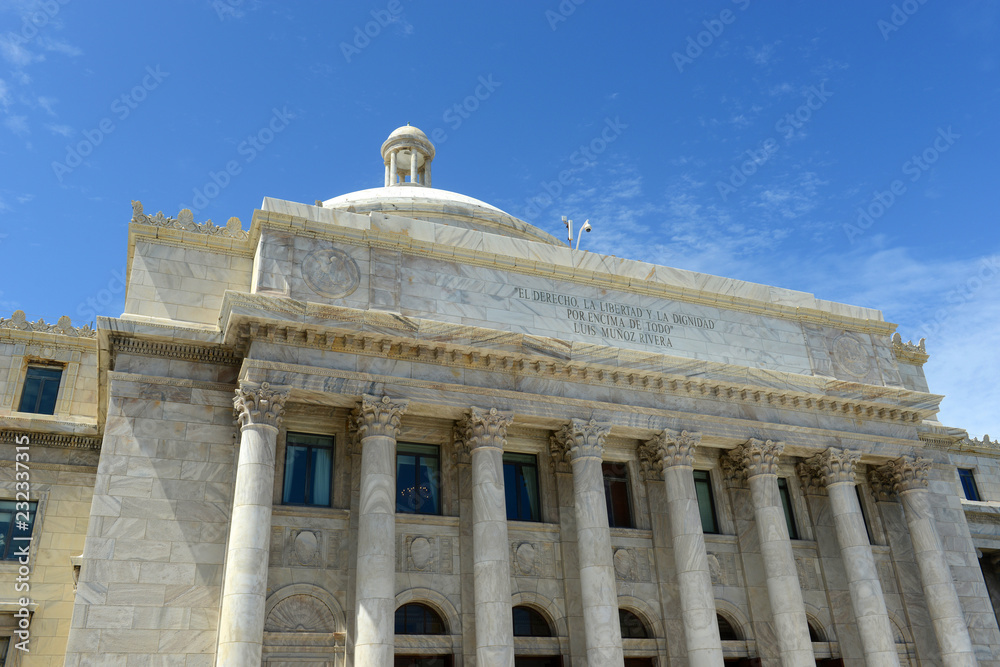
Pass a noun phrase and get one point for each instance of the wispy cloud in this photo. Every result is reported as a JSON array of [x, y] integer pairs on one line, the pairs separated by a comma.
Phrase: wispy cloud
[[17, 124], [61, 130]]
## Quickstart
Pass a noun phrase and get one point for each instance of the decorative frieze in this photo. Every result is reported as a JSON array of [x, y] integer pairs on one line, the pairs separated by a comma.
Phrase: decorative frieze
[[378, 416], [51, 440], [262, 403], [756, 457], [907, 473], [666, 450], [179, 351], [63, 326], [185, 222], [578, 439]]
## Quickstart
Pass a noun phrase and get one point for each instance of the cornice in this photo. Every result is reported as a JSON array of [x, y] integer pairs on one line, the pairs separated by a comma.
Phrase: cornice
[[180, 351], [37, 439]]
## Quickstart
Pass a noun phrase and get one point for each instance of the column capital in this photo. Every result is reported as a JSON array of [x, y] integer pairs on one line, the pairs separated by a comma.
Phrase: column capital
[[755, 457], [834, 466], [668, 449], [881, 483], [260, 404], [481, 428], [378, 416], [907, 473], [578, 439]]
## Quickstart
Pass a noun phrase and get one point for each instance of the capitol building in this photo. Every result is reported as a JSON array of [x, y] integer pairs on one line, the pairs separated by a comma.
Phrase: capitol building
[[401, 427]]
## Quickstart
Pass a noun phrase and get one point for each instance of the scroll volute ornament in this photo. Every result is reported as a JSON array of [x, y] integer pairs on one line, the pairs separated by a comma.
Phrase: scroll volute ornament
[[907, 473], [260, 404], [756, 457], [835, 465], [578, 439], [378, 416]]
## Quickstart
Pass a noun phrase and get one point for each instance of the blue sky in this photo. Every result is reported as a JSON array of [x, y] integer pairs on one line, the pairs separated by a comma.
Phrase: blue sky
[[847, 149]]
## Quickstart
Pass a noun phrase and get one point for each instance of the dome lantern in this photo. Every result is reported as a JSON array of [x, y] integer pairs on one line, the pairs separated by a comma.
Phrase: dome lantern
[[407, 152]]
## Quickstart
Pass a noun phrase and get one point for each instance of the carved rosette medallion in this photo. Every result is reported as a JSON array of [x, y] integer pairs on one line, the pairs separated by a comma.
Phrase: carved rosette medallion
[[481, 428], [330, 272], [851, 356], [260, 404], [907, 473], [378, 416], [833, 466], [756, 457], [578, 439]]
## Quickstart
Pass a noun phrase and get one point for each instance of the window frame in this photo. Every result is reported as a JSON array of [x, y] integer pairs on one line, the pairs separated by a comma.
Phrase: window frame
[[787, 504], [289, 442], [626, 481], [8, 550], [427, 611], [518, 475], [707, 481], [969, 477], [42, 366], [401, 449]]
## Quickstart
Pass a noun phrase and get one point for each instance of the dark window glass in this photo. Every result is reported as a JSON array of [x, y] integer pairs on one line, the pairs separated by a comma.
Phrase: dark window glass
[[726, 630], [530, 623], [617, 494], [553, 661], [968, 484], [41, 387], [814, 634], [864, 514], [4, 645], [418, 619], [520, 483], [422, 661], [418, 479], [706, 502], [786, 503], [15, 528], [632, 626], [308, 469]]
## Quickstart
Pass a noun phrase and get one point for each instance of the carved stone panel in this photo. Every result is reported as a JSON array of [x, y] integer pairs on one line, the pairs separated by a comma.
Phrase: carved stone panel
[[532, 559], [808, 569], [426, 553], [724, 569], [632, 564]]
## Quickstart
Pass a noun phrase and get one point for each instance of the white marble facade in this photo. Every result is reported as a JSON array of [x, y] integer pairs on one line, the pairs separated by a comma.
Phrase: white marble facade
[[408, 319]]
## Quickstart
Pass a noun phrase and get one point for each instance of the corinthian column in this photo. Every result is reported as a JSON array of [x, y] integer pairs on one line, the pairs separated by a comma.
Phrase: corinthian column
[[759, 462], [582, 443], [835, 469], [908, 476], [484, 433], [673, 455], [377, 421], [259, 408]]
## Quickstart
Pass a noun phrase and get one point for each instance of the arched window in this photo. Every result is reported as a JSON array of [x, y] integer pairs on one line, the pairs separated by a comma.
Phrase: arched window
[[815, 634], [419, 619], [530, 623], [632, 626], [727, 632]]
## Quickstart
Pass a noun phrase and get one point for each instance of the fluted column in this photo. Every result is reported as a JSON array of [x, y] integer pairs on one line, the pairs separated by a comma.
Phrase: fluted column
[[673, 455], [835, 469], [908, 476], [759, 462], [582, 443], [484, 433], [377, 421], [259, 409]]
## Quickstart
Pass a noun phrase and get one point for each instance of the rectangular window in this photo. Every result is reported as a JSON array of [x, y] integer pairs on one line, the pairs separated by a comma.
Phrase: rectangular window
[[786, 503], [520, 483], [418, 479], [41, 388], [864, 515], [308, 469], [617, 494], [16, 521], [968, 484], [706, 502]]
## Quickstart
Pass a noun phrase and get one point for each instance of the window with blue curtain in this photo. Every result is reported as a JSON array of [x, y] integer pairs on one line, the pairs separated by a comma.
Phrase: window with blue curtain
[[520, 483], [968, 484], [308, 469], [418, 479]]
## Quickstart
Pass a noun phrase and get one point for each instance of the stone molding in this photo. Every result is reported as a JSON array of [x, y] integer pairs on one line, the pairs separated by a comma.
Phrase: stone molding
[[481, 428], [378, 416], [907, 473], [908, 352], [260, 404], [63, 327], [51, 440], [180, 351], [667, 450], [755, 457], [185, 222], [834, 466], [404, 347], [578, 439]]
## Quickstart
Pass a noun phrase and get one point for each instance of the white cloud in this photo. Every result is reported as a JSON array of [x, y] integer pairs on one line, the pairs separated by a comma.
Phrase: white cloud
[[61, 130], [17, 124]]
